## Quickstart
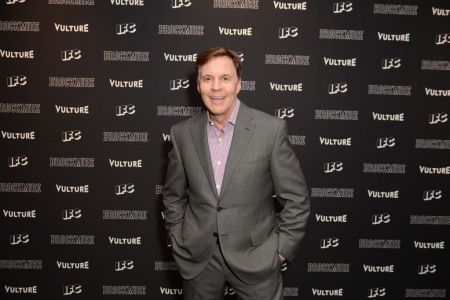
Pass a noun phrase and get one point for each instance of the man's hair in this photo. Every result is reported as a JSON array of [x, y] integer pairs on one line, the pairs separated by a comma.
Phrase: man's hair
[[209, 54]]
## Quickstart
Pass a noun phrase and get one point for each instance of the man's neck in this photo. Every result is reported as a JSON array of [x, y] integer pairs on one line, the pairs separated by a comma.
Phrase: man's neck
[[219, 121]]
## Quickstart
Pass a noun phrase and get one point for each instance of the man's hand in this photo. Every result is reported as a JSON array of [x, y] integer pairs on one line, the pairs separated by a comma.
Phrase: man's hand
[[283, 261]]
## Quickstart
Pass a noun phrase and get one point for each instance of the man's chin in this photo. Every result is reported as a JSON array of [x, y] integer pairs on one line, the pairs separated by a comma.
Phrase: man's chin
[[215, 109], [215, 112]]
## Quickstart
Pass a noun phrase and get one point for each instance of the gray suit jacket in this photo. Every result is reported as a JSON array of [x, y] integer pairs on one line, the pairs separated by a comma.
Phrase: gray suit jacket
[[260, 163]]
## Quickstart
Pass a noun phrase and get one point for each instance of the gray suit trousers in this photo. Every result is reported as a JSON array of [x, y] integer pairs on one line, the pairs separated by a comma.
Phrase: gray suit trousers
[[217, 279]]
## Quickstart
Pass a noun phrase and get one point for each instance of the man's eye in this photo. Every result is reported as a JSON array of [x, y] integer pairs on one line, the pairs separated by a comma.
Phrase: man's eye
[[226, 78]]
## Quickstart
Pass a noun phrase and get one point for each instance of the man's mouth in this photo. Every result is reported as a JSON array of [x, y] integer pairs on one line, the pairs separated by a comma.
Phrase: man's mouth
[[217, 98]]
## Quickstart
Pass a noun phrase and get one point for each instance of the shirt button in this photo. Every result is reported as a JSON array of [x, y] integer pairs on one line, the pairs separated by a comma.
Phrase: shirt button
[[218, 186], [220, 140], [219, 162]]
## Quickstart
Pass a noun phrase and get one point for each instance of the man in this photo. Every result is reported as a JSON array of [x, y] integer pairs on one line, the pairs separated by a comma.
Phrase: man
[[224, 167]]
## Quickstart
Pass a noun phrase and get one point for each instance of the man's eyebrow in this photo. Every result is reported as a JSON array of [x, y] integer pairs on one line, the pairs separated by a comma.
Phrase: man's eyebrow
[[221, 75]]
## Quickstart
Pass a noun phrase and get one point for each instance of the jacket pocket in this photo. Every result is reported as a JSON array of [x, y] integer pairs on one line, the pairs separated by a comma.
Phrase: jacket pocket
[[259, 236]]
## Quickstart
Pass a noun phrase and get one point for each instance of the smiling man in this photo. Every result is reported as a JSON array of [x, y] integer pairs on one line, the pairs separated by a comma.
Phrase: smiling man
[[225, 165]]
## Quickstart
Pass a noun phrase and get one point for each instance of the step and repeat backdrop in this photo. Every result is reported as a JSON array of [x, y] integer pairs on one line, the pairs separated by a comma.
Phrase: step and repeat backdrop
[[89, 90]]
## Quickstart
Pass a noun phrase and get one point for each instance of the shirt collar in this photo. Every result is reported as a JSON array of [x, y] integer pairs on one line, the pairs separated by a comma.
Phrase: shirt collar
[[233, 116]]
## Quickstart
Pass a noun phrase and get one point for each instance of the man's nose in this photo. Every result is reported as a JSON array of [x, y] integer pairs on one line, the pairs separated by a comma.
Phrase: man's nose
[[216, 85]]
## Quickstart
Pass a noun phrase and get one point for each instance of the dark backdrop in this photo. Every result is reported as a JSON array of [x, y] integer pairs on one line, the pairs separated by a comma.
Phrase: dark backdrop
[[91, 88]]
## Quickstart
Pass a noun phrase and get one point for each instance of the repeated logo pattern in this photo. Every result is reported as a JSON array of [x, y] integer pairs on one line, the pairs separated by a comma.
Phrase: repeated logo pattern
[[91, 88]]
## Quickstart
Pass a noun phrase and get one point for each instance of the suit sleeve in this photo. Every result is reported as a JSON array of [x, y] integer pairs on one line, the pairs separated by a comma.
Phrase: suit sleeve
[[290, 188], [174, 193]]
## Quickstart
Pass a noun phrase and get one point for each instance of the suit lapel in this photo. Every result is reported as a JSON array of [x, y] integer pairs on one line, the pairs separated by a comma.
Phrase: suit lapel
[[242, 134], [200, 138]]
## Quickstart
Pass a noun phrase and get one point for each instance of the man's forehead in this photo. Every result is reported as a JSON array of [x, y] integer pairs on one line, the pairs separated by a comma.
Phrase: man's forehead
[[216, 73], [216, 70]]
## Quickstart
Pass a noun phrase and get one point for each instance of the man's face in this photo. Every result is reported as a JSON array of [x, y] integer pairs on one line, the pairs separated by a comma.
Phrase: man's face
[[218, 84]]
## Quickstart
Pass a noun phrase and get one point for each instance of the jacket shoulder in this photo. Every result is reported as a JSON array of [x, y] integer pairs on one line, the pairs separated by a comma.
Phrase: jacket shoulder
[[264, 119]]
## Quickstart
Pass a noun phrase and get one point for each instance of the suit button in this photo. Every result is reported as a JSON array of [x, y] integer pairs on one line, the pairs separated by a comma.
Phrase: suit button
[[219, 209], [215, 234]]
